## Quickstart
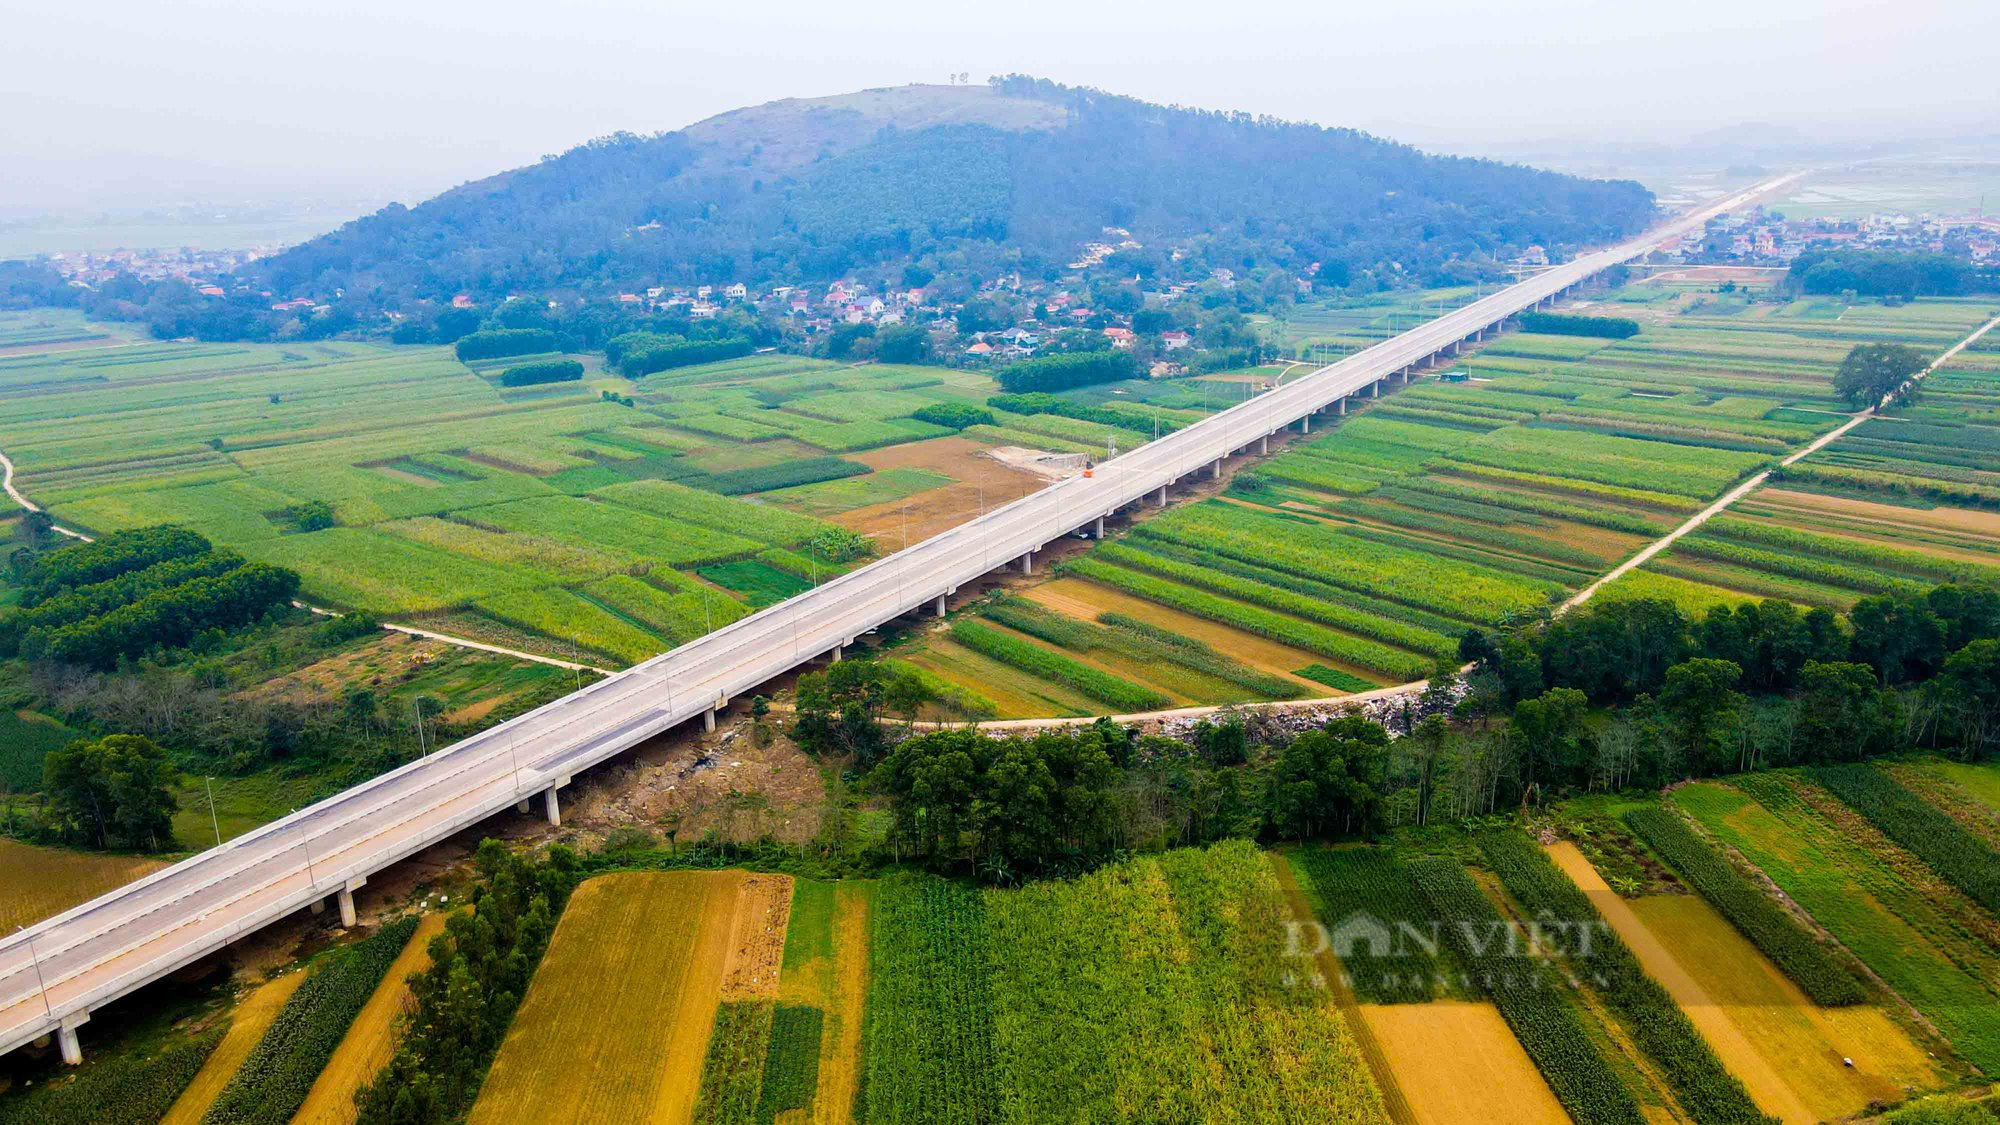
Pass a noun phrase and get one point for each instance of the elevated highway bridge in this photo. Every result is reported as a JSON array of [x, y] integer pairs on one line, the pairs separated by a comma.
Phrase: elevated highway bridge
[[54, 974]]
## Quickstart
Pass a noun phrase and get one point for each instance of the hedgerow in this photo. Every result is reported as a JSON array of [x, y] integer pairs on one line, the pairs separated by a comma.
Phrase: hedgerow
[[1533, 999], [784, 474], [1061, 372], [273, 1081], [1122, 694], [1810, 965], [955, 415], [546, 371], [1700, 1083], [1124, 417], [495, 343], [124, 1089], [1962, 859], [666, 357]]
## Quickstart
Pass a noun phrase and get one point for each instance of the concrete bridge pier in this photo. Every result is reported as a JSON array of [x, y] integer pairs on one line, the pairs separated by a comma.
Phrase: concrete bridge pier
[[1306, 424], [1098, 532], [552, 806], [1341, 406], [1028, 563], [1160, 498], [1215, 469], [1375, 389], [345, 897], [66, 1041], [521, 806], [1264, 444], [940, 605]]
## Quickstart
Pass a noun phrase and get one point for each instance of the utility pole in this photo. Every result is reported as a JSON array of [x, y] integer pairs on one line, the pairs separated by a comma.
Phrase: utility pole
[[209, 783]]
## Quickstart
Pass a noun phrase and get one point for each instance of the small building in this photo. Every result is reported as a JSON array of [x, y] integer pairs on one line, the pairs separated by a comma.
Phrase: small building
[[1175, 339]]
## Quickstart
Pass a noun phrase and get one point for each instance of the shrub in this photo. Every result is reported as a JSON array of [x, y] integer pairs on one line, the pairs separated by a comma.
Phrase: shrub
[[1562, 324], [784, 474], [1810, 965], [497, 343], [546, 371]]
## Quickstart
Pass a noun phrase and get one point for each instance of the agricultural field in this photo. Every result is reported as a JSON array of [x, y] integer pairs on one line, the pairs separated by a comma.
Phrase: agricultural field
[[43, 882], [1156, 983], [1914, 929], [636, 973], [371, 1038], [458, 500], [1518, 475]]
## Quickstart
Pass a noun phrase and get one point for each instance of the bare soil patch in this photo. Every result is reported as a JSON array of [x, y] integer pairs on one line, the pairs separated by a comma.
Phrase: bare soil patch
[[757, 938], [982, 484], [726, 784]]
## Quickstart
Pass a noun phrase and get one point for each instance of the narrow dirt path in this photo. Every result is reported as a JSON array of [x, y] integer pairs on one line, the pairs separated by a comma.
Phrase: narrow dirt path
[[1652, 549]]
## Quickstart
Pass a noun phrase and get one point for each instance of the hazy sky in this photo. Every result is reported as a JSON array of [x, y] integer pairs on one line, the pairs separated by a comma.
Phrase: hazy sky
[[143, 101]]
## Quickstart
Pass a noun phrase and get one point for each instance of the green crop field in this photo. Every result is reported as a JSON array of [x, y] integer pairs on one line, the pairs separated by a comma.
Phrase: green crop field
[[454, 497], [1158, 982]]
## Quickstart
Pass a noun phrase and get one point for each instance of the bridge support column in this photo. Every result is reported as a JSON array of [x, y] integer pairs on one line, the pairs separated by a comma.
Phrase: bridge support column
[[1098, 531], [551, 805], [345, 897], [1375, 389], [1028, 563], [1264, 444], [1341, 406], [1160, 498], [1215, 469], [521, 806], [1478, 334], [940, 605], [707, 725], [1306, 424], [318, 906], [66, 1041]]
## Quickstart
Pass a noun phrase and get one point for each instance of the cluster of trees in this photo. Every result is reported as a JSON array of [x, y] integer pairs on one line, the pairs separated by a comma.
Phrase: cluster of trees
[[1067, 370], [114, 792], [1739, 688], [956, 415], [465, 1000], [1888, 273], [1873, 372], [135, 591], [545, 371], [1563, 324], [664, 353], [499, 343]]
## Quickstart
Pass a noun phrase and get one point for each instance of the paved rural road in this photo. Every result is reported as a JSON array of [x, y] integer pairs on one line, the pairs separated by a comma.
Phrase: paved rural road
[[52, 975]]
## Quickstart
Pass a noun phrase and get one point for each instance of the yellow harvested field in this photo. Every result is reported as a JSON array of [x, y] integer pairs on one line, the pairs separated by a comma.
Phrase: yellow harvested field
[[246, 1029], [371, 1040], [1457, 1061], [1786, 1049], [838, 987], [38, 883], [616, 1024]]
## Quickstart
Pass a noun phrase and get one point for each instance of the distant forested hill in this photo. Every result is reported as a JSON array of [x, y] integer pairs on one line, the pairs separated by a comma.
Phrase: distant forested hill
[[958, 180]]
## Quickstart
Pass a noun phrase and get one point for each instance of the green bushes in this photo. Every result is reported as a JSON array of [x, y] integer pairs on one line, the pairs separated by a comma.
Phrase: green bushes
[[1335, 678], [497, 343], [1560, 324], [791, 1065], [77, 603], [953, 415], [170, 617], [547, 371], [1709, 1093], [1124, 695], [666, 357], [273, 1081], [1810, 965], [785, 474], [1533, 999], [1061, 372], [1961, 858], [732, 1076], [1124, 417]]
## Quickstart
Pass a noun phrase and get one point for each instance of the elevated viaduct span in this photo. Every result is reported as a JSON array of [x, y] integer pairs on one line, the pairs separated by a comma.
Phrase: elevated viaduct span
[[53, 974]]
